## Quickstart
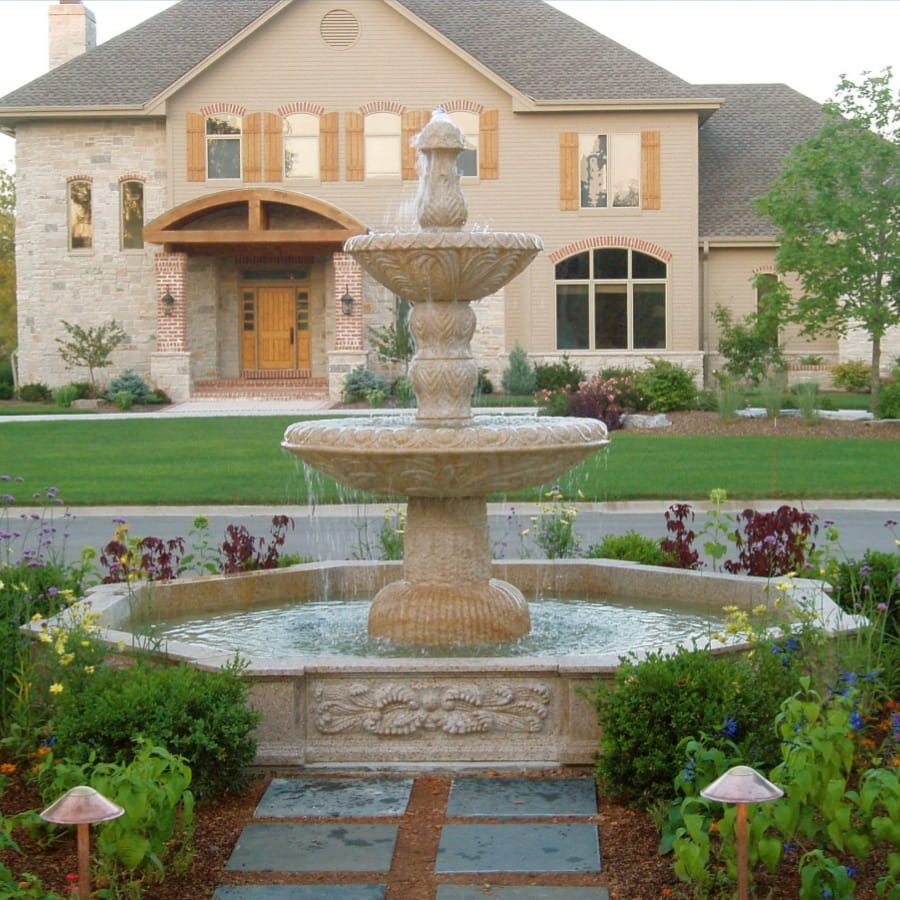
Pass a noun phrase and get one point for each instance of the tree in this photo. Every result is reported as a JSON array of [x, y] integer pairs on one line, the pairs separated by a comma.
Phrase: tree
[[7, 264], [91, 347], [836, 206]]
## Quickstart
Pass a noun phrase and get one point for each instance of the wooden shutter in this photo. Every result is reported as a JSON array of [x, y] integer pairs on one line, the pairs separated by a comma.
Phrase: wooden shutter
[[568, 170], [353, 129], [650, 181], [251, 139], [328, 147], [413, 121], [273, 147], [489, 145], [196, 147]]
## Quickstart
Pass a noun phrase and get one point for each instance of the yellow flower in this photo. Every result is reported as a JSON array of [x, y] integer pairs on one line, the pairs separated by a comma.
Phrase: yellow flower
[[45, 638], [89, 670], [121, 645], [56, 688], [759, 610], [85, 643], [36, 617], [67, 659]]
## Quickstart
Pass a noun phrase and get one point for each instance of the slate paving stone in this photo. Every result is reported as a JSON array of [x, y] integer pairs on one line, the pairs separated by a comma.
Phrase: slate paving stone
[[521, 798], [301, 892], [483, 848], [529, 892], [291, 798], [295, 847]]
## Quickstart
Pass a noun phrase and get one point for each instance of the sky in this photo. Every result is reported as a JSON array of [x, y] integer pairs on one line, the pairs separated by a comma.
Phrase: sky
[[807, 44]]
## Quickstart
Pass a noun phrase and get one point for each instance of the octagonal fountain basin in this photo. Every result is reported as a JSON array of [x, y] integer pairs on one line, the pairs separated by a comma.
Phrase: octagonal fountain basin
[[395, 455], [332, 707]]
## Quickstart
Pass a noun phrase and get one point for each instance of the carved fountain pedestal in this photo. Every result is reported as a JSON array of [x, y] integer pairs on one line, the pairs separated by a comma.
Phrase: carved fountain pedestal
[[445, 461]]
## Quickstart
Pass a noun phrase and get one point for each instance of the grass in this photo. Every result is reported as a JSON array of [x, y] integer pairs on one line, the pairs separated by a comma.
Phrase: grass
[[239, 461]]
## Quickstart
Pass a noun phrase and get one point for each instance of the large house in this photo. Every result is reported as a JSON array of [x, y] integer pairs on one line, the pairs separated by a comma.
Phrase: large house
[[195, 178]]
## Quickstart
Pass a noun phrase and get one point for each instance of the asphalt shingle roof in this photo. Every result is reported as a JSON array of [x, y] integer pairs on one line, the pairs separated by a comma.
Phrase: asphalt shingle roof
[[741, 149], [137, 65]]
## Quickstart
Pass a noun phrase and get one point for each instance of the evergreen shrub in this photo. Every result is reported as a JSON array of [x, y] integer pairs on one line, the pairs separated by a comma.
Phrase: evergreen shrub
[[666, 386], [519, 376], [361, 382], [131, 382]]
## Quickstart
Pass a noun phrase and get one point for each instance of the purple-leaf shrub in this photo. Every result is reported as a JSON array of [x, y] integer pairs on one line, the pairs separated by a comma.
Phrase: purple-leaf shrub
[[773, 543]]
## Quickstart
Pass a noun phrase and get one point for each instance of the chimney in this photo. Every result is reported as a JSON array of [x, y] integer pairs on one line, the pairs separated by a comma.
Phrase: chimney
[[73, 29]]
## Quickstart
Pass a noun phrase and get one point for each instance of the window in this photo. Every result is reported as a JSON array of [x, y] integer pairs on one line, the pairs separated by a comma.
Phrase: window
[[301, 146], [81, 225], [131, 201], [382, 145], [468, 123], [765, 284], [609, 167], [223, 146], [611, 299]]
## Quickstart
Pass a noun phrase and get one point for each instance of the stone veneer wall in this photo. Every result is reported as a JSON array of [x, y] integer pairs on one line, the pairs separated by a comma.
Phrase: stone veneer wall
[[87, 287], [856, 345]]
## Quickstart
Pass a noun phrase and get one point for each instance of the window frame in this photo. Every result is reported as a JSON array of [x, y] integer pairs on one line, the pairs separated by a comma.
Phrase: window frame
[[310, 141], [371, 137], [213, 138], [71, 218], [598, 286], [123, 187], [603, 145], [770, 280]]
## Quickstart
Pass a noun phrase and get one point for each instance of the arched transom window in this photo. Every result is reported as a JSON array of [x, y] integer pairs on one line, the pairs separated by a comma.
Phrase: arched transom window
[[611, 298], [301, 146]]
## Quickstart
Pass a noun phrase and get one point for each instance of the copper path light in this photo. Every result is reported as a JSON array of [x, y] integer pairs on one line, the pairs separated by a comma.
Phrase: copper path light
[[741, 785], [82, 806]]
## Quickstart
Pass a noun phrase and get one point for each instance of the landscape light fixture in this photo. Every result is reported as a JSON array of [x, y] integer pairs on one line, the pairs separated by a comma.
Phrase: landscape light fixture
[[82, 806], [168, 301], [347, 303], [741, 785]]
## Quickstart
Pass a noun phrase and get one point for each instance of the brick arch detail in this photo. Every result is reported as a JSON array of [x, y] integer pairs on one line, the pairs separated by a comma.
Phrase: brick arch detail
[[470, 106], [301, 106], [768, 269], [71, 179], [610, 240], [236, 109], [132, 176], [378, 106]]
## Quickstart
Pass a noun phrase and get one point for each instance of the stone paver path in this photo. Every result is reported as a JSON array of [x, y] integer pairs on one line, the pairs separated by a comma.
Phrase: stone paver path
[[510, 838]]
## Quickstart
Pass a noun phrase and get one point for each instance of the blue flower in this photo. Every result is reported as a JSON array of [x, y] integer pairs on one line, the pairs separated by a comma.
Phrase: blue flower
[[849, 678], [850, 871], [856, 720], [826, 893], [729, 727], [789, 849], [792, 645]]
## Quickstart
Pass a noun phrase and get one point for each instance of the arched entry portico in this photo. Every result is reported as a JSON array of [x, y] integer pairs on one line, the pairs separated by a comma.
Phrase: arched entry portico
[[249, 285]]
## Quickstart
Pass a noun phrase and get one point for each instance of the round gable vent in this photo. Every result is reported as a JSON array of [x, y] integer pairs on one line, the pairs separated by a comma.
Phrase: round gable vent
[[339, 29]]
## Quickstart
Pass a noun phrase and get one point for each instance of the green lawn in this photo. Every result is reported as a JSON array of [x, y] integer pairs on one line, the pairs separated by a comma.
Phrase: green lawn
[[239, 461]]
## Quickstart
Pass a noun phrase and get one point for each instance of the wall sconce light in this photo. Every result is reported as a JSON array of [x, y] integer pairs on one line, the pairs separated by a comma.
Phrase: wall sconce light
[[347, 303], [168, 301], [82, 806], [741, 785]]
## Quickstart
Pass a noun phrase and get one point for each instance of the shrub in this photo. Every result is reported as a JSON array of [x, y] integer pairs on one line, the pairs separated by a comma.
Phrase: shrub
[[6, 370], [124, 400], [200, 716], [811, 360], [241, 552], [484, 384], [36, 392], [362, 381], [747, 346], [632, 547], [519, 376], [609, 400], [555, 403], [666, 386], [860, 584], [65, 395], [853, 375], [654, 702], [889, 400], [679, 545], [6, 391], [773, 543], [131, 382], [404, 393], [559, 375]]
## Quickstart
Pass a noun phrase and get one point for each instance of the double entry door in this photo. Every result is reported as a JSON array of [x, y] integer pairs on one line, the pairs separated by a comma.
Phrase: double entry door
[[275, 327]]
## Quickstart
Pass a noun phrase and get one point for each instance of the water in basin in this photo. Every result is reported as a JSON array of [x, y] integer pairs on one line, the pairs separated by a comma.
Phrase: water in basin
[[560, 627]]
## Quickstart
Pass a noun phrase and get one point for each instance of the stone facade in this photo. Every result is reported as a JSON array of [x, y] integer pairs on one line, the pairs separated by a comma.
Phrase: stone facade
[[84, 287]]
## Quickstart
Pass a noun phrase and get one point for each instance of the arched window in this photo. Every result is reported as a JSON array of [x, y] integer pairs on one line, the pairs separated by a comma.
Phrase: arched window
[[131, 214], [301, 146], [611, 298], [223, 146], [468, 123], [382, 145], [81, 222]]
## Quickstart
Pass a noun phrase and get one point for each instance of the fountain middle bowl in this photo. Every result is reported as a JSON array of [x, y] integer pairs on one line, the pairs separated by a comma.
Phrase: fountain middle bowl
[[491, 454]]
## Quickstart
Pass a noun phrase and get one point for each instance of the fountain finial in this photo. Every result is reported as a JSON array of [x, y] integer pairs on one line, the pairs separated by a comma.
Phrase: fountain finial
[[440, 205]]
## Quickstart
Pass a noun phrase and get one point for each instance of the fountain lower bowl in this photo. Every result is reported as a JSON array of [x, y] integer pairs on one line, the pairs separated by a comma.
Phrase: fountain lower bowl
[[489, 455], [341, 709]]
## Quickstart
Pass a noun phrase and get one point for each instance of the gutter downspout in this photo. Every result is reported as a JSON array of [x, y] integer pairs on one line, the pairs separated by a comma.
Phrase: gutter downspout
[[704, 299]]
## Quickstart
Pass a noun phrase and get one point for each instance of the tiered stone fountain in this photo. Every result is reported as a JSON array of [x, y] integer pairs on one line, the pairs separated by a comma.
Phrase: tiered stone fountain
[[445, 461]]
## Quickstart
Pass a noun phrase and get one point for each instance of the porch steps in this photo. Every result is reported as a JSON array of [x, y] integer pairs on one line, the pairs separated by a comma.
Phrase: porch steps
[[261, 389]]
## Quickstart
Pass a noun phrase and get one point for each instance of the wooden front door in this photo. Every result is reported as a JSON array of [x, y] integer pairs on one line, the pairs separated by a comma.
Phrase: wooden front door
[[277, 330]]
